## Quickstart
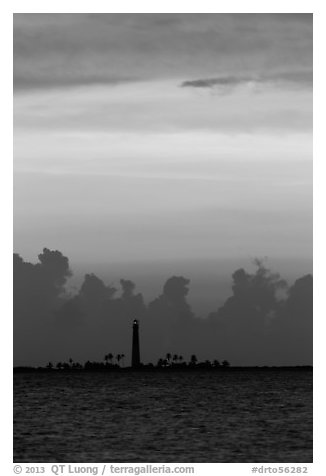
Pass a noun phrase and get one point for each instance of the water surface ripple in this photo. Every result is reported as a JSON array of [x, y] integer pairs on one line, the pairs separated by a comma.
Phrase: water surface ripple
[[232, 416]]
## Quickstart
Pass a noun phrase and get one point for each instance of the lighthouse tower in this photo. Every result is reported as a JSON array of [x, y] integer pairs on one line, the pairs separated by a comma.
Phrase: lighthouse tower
[[135, 361]]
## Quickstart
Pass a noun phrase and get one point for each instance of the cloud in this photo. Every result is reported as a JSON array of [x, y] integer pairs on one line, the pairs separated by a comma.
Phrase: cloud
[[64, 49], [158, 107], [283, 79], [263, 313]]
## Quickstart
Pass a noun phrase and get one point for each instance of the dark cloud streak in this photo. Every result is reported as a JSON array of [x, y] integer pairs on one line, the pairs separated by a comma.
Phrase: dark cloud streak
[[287, 78]]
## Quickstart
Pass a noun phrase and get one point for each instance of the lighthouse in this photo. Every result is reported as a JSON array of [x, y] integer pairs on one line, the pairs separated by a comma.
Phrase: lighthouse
[[135, 360]]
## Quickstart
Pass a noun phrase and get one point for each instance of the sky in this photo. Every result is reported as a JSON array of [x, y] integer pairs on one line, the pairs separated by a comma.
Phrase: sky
[[147, 139]]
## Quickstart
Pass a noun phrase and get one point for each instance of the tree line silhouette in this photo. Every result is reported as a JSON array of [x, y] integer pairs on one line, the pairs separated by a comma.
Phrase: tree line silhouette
[[111, 362], [265, 321]]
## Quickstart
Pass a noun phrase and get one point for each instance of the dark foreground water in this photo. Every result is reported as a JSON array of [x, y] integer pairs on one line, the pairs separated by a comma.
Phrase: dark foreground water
[[232, 416]]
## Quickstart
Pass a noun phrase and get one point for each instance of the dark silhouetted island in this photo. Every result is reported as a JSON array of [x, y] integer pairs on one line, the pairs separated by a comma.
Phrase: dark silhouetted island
[[169, 363]]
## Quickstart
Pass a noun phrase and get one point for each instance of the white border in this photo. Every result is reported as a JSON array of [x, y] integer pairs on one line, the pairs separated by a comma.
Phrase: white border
[[276, 6]]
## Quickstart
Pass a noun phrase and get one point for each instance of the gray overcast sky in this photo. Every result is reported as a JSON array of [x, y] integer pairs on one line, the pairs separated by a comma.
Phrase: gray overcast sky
[[143, 137]]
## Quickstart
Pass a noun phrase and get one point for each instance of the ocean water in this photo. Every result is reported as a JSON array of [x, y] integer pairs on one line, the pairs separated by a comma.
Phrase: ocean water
[[195, 416]]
